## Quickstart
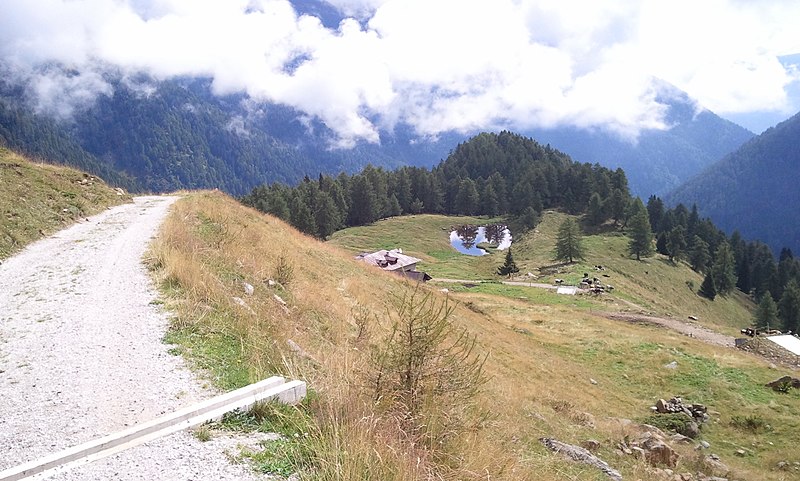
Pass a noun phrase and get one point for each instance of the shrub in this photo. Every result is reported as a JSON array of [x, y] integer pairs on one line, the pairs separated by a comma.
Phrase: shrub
[[752, 423], [427, 371]]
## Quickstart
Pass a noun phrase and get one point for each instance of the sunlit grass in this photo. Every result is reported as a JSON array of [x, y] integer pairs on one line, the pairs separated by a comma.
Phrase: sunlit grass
[[39, 199], [544, 349]]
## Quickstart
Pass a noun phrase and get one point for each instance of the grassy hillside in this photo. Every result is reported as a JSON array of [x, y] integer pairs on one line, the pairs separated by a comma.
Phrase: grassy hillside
[[38, 199], [554, 368], [653, 286]]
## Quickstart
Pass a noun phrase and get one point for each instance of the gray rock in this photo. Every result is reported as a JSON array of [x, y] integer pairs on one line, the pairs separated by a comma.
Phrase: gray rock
[[591, 444], [691, 430]]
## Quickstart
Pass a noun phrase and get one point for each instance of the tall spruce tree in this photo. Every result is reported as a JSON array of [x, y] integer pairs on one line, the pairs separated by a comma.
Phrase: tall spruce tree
[[766, 315], [509, 267], [641, 234], [698, 254], [676, 243], [569, 241], [789, 307], [707, 288], [723, 270]]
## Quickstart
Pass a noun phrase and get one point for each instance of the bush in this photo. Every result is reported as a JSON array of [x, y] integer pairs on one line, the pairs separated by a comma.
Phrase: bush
[[427, 371], [752, 423], [675, 422]]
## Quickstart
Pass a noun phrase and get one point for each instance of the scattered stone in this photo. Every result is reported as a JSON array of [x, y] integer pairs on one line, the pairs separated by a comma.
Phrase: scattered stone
[[581, 455], [240, 302], [248, 289], [658, 453], [704, 444], [680, 438], [300, 351], [592, 381], [672, 365], [694, 318], [271, 283], [591, 444], [772, 365], [119, 191], [784, 383], [741, 453], [782, 465], [715, 466]]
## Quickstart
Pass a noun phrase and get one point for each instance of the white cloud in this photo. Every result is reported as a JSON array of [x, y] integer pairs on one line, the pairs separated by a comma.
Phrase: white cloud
[[437, 65]]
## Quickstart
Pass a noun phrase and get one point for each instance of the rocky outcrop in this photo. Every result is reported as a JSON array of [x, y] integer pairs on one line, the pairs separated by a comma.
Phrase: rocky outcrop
[[696, 415], [784, 383], [581, 455]]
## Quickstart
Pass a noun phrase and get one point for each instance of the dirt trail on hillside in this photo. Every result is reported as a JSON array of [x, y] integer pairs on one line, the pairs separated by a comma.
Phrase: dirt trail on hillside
[[81, 352], [686, 328]]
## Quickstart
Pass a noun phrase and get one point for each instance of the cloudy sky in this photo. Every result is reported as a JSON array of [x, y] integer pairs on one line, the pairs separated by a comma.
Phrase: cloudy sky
[[434, 64]]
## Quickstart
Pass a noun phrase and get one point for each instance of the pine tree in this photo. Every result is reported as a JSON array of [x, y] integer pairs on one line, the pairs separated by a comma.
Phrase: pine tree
[[467, 198], [529, 218], [698, 254], [789, 307], [766, 315], [327, 217], [641, 234], [676, 243], [707, 288], [301, 217], [569, 241], [723, 269], [508, 267], [618, 202], [596, 210]]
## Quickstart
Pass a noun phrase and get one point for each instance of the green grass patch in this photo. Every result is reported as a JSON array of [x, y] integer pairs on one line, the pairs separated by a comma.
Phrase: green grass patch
[[426, 237], [293, 451], [216, 353]]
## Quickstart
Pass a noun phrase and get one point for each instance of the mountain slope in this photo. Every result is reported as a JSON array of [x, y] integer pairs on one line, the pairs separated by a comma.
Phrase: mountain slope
[[660, 160], [755, 189], [556, 368], [176, 134]]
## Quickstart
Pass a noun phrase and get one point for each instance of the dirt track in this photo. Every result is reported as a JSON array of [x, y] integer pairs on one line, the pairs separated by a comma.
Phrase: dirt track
[[81, 352], [684, 327]]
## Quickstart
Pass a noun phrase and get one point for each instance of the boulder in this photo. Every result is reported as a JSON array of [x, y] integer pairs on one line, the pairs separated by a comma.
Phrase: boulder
[[715, 466], [659, 453], [784, 382]]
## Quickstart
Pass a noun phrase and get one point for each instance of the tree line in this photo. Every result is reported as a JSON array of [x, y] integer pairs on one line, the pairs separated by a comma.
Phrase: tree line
[[490, 174], [508, 174], [730, 262]]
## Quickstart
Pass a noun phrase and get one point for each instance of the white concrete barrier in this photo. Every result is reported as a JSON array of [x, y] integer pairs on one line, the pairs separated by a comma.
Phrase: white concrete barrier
[[209, 410]]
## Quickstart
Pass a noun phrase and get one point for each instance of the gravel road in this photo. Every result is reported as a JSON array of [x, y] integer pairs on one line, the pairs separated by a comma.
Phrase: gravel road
[[81, 353]]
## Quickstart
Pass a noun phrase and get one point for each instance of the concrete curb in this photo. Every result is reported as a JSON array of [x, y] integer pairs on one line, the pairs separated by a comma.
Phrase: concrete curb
[[274, 387]]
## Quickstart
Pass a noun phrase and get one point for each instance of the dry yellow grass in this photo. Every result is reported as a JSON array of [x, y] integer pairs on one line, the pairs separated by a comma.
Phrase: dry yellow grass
[[541, 359]]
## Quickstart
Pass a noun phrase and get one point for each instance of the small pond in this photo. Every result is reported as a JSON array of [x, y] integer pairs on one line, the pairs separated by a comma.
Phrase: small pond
[[466, 238]]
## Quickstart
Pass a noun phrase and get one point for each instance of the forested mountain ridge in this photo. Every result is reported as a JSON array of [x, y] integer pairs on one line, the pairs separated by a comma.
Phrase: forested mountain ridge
[[168, 135], [755, 189], [658, 160]]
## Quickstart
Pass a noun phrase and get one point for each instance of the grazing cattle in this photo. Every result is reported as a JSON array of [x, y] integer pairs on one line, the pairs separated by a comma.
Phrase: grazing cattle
[[559, 281], [609, 287]]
